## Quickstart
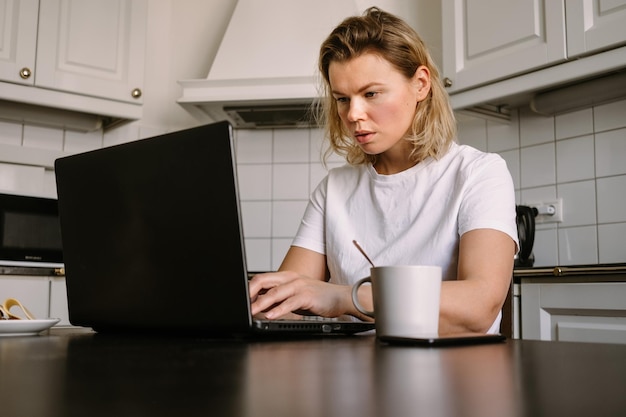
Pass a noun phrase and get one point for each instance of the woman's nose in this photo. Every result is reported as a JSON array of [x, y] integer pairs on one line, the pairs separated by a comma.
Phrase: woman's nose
[[356, 111]]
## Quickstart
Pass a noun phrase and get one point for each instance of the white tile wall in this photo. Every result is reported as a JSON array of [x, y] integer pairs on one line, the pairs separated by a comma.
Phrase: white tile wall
[[575, 159], [42, 138], [574, 124], [277, 171], [11, 133], [578, 157], [255, 181], [506, 135], [608, 235], [538, 165], [21, 179], [43, 145], [609, 116], [610, 151], [611, 204], [76, 142], [290, 181]]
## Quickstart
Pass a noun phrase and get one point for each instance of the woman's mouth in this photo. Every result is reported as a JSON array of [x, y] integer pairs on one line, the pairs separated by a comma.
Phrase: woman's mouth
[[362, 136]]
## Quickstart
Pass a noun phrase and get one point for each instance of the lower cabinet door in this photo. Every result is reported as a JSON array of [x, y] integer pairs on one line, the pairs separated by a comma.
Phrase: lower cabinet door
[[584, 312], [32, 292], [58, 301]]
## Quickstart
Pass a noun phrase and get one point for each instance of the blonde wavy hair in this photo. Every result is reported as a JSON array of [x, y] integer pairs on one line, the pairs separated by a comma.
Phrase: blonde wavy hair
[[434, 126]]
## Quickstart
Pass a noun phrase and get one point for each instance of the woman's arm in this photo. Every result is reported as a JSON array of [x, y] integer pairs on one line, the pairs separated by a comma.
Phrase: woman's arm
[[485, 269], [471, 303], [306, 263]]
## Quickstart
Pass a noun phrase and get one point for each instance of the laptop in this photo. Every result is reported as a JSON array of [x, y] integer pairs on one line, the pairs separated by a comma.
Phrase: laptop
[[153, 241]]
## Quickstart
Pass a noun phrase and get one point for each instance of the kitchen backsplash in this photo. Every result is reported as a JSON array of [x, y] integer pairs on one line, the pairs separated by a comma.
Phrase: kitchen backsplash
[[577, 157]]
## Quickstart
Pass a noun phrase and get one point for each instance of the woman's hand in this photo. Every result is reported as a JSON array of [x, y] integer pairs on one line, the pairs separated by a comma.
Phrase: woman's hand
[[301, 287], [279, 294]]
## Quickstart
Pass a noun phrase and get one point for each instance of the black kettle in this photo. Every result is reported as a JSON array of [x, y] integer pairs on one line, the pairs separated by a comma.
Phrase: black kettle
[[525, 218]]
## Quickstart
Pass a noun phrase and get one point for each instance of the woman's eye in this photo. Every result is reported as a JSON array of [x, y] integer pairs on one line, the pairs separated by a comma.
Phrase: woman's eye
[[341, 99], [370, 94]]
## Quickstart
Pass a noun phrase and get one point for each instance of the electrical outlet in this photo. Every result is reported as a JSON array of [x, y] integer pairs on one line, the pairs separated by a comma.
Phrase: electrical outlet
[[549, 211]]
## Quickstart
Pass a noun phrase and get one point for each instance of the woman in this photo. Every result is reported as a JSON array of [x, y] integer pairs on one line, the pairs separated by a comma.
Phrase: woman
[[409, 193]]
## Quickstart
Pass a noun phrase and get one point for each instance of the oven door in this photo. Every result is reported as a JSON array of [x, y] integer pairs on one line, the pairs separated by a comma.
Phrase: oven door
[[30, 233]]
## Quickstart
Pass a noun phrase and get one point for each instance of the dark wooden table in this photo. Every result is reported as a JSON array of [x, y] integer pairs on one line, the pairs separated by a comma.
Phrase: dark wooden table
[[69, 373]]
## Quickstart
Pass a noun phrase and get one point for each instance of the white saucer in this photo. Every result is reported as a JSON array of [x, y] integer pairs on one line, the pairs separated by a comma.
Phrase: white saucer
[[25, 327]]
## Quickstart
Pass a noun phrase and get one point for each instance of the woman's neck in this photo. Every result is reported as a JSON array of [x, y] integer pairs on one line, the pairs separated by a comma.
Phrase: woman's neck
[[387, 168], [393, 161]]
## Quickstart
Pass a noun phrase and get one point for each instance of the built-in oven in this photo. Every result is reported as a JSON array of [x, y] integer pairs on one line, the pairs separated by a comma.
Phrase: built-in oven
[[30, 234]]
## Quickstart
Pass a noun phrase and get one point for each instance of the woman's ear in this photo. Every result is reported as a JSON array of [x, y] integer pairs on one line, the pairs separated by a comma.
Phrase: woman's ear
[[421, 80]]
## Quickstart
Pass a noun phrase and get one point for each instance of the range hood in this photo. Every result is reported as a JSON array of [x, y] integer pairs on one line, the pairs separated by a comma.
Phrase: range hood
[[264, 73]]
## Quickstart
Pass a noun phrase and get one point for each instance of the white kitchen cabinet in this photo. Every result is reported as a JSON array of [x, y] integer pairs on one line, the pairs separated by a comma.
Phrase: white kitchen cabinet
[[58, 300], [95, 47], [18, 43], [32, 291], [79, 55], [594, 25], [573, 311], [485, 41], [44, 296]]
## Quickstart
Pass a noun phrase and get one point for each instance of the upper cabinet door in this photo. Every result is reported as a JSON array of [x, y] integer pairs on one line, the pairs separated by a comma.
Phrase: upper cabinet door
[[18, 40], [95, 47], [485, 40], [594, 25]]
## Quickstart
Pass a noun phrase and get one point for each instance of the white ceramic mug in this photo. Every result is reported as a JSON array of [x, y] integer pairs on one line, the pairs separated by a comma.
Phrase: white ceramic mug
[[406, 300]]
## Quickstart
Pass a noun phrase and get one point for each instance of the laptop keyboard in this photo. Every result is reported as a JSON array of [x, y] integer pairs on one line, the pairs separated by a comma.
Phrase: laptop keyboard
[[319, 318]]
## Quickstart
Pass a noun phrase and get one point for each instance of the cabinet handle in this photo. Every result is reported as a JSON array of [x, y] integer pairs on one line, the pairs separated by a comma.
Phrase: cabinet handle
[[447, 82], [25, 73], [136, 93], [563, 271]]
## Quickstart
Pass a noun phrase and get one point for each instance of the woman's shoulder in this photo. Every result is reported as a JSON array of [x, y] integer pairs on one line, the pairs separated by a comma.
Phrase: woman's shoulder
[[464, 161], [347, 171], [345, 175], [468, 155]]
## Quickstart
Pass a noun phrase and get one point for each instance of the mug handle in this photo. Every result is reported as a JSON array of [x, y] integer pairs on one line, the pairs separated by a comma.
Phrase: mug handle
[[355, 298]]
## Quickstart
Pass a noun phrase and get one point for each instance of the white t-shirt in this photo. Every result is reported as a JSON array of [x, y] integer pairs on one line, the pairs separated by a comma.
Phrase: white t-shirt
[[410, 218]]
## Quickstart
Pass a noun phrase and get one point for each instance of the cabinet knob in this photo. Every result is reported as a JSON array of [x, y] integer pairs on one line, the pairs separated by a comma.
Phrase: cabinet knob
[[136, 93], [25, 73], [447, 82]]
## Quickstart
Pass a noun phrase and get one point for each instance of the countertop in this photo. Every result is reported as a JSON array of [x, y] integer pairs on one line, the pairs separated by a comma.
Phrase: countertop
[[71, 372], [595, 272]]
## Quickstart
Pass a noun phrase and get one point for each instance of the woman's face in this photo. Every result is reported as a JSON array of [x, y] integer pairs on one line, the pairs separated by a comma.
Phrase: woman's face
[[376, 103]]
